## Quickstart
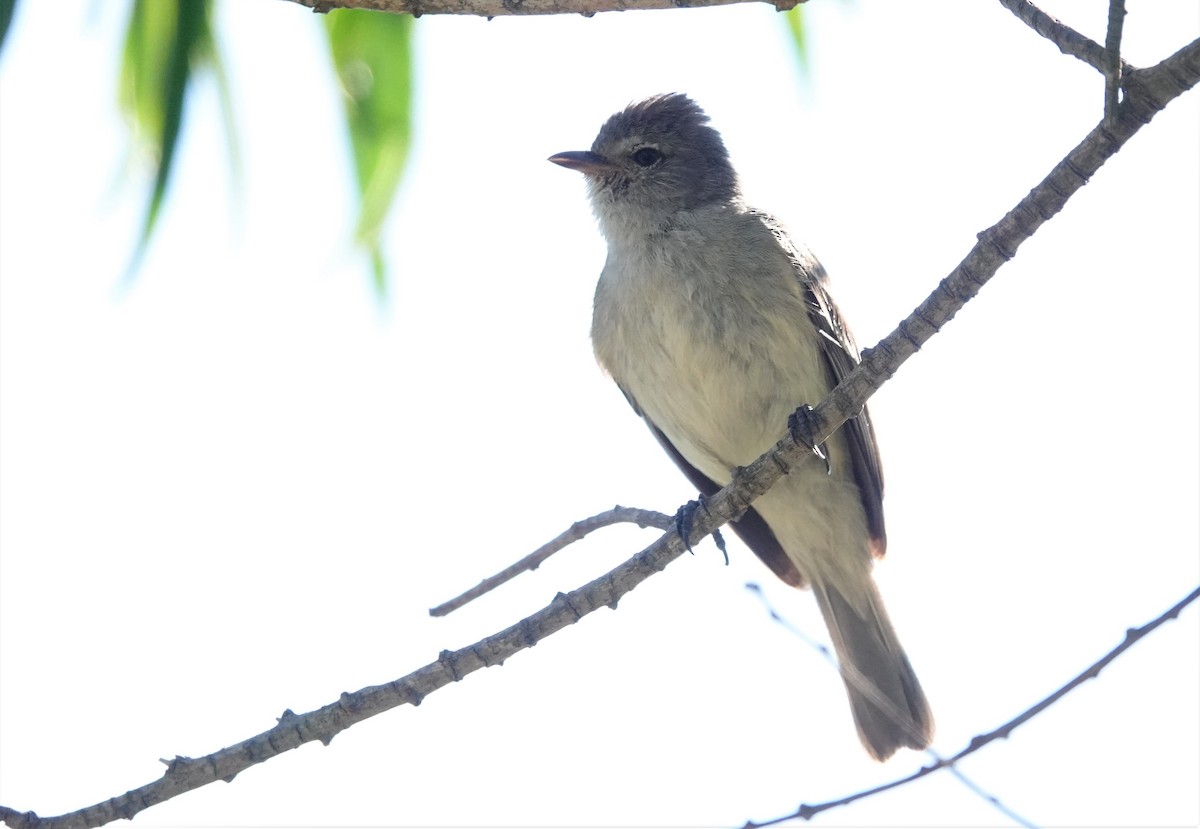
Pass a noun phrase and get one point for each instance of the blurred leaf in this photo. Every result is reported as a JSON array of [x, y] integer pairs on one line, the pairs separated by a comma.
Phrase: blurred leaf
[[795, 23], [372, 54], [166, 41], [211, 56], [6, 16]]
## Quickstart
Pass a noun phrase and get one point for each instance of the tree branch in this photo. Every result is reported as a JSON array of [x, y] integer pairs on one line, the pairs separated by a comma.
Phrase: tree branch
[[500, 8], [984, 795], [577, 531], [1147, 91], [807, 811], [1113, 63], [1068, 41]]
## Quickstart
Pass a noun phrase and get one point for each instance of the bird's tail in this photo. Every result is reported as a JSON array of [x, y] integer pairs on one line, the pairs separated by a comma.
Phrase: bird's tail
[[889, 706]]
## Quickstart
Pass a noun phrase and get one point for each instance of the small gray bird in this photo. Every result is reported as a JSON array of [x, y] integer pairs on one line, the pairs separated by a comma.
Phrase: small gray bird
[[717, 327]]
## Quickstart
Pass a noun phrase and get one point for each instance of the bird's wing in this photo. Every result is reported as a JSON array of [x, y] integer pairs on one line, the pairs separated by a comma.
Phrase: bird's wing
[[751, 528], [840, 356]]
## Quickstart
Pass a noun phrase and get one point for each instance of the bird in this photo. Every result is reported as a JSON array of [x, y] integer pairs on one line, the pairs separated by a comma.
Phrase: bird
[[719, 330]]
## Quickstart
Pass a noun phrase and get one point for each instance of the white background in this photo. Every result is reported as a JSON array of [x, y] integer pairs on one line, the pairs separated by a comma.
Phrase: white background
[[236, 485]]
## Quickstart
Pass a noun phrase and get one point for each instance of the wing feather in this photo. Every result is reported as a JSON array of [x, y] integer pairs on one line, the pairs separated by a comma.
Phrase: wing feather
[[840, 355], [751, 527]]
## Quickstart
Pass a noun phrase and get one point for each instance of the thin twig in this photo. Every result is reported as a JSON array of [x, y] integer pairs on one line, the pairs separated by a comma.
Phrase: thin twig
[[617, 515], [827, 655], [808, 811], [1068, 41], [851, 675], [1112, 63], [989, 798]]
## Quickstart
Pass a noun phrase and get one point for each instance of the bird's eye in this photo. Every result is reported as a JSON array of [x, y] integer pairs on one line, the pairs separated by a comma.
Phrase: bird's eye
[[647, 157]]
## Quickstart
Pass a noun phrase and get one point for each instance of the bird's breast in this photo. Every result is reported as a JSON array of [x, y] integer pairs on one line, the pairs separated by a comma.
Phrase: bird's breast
[[715, 351]]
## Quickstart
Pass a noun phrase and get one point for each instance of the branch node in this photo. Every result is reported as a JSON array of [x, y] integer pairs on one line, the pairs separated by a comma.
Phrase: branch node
[[176, 765], [1069, 164], [1040, 208], [908, 336], [405, 689], [919, 313], [484, 656], [990, 238], [566, 599], [449, 660], [968, 275], [529, 636]]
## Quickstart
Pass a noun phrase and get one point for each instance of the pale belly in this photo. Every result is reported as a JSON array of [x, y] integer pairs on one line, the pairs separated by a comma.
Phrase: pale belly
[[721, 386]]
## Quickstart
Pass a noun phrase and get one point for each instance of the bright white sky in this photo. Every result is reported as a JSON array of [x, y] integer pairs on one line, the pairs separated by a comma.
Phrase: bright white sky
[[237, 487]]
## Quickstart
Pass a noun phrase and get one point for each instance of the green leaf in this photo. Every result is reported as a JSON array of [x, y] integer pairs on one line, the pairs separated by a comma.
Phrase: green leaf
[[166, 41], [372, 55], [795, 24], [6, 16]]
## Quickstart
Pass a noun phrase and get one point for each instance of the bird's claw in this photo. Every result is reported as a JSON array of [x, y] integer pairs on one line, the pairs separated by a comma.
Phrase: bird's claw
[[683, 525], [802, 427], [719, 540]]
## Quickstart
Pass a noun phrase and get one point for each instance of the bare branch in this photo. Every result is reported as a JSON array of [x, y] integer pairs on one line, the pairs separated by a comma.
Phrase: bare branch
[[989, 798], [499, 8], [1112, 63], [1068, 41], [292, 730], [808, 811], [617, 515]]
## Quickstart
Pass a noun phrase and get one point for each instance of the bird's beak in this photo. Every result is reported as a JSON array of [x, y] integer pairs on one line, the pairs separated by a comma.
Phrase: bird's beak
[[588, 163]]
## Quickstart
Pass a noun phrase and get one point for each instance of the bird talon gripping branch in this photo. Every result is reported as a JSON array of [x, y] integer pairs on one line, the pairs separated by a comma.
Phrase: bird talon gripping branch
[[683, 523], [802, 428]]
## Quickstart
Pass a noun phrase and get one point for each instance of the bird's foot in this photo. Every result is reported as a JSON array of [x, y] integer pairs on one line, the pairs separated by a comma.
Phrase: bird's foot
[[802, 428], [683, 525]]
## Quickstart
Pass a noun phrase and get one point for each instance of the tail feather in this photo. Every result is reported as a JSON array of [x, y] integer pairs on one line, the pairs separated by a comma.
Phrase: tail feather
[[886, 699]]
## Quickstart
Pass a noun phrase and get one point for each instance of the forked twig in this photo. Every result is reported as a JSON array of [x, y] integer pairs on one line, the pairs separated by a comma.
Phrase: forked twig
[[1068, 41], [808, 811]]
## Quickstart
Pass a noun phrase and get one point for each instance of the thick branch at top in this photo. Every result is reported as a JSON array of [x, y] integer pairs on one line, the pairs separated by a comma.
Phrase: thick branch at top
[[497, 8]]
